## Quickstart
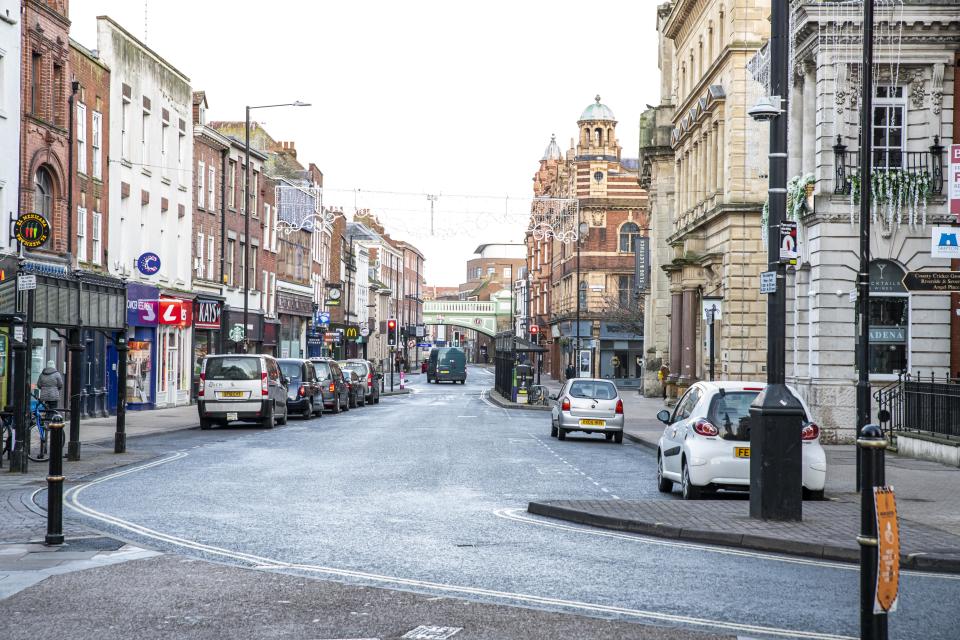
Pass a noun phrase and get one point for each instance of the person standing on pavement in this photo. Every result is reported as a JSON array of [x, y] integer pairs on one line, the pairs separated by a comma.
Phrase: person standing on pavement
[[571, 372], [50, 384], [662, 375]]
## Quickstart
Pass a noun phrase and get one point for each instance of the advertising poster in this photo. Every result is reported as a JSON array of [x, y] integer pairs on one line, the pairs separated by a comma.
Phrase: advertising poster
[[138, 371]]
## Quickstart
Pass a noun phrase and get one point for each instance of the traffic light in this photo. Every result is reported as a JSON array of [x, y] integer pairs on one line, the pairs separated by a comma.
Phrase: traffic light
[[456, 338], [392, 332]]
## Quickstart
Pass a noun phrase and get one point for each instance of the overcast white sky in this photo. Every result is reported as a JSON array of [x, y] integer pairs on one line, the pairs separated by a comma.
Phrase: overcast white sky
[[414, 97]]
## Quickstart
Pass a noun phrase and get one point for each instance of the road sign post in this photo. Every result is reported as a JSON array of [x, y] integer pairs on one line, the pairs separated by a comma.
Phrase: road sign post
[[879, 562], [932, 281]]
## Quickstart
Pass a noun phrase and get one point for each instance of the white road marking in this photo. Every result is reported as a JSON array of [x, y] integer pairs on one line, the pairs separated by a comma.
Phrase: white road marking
[[72, 501]]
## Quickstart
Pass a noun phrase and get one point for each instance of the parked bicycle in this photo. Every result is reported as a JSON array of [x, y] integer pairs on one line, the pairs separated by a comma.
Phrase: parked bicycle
[[8, 437], [37, 432]]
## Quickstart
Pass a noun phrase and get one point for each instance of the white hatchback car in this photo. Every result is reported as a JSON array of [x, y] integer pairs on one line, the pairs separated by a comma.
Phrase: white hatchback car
[[590, 405], [706, 444]]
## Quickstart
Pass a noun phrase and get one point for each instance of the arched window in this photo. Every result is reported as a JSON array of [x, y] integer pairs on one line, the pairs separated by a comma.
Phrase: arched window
[[629, 233], [599, 139], [43, 193]]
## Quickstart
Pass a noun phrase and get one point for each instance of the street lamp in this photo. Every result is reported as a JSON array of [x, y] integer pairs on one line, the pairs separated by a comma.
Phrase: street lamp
[[776, 414], [582, 230], [246, 212]]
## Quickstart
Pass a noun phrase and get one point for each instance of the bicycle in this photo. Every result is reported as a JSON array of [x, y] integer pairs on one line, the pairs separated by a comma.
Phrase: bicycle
[[8, 437], [37, 430]]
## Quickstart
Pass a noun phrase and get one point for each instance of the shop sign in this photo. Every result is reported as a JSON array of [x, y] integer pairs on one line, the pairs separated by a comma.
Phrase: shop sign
[[142, 305], [955, 180], [148, 263], [945, 242], [352, 333], [894, 335], [641, 268], [886, 276], [888, 550], [176, 312], [237, 333], [322, 318], [31, 230], [294, 305], [208, 314]]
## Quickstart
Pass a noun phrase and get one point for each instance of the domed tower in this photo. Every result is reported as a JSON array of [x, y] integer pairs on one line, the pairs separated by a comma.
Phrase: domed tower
[[598, 133], [553, 150]]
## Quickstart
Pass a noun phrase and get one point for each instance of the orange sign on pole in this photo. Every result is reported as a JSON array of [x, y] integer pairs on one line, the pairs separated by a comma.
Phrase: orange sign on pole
[[888, 551]]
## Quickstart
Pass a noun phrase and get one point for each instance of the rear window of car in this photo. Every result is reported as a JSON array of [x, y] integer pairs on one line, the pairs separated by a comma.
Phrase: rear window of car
[[291, 369], [593, 389], [727, 410], [323, 370], [233, 368], [357, 367]]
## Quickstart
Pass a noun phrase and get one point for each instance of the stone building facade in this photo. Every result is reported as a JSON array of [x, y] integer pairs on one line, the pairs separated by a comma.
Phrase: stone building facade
[[719, 189], [10, 65]]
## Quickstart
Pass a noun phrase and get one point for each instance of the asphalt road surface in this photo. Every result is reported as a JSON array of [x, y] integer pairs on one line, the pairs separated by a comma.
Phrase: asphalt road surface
[[426, 493]]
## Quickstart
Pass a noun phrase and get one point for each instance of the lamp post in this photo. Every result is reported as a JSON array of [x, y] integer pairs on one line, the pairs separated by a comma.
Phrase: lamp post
[[582, 229], [246, 211], [776, 414]]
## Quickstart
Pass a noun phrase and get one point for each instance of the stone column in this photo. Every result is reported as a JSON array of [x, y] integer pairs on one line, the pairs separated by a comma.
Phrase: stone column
[[688, 360], [721, 157], [711, 172], [676, 333], [809, 140]]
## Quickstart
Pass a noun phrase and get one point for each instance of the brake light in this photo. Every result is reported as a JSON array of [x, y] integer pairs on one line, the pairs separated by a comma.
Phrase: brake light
[[369, 380], [301, 392], [203, 379], [264, 387], [619, 407], [704, 428], [333, 387], [753, 388], [810, 432], [566, 404]]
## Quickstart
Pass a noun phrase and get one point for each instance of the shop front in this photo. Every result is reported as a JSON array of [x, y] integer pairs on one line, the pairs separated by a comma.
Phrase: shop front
[[621, 354], [233, 334], [174, 375], [271, 333], [295, 312], [206, 334]]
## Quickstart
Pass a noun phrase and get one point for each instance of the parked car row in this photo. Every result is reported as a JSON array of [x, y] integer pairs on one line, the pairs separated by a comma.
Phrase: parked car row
[[266, 390], [705, 446]]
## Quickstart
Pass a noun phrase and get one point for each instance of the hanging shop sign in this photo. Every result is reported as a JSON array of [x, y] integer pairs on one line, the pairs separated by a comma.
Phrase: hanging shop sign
[[955, 180], [175, 312], [208, 314], [148, 263], [237, 334], [334, 294], [933, 281], [322, 318], [352, 333], [788, 242], [641, 267], [31, 230], [945, 242]]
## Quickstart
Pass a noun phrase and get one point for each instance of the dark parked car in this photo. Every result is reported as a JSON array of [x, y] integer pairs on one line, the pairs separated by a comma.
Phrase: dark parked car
[[304, 397], [336, 393], [357, 387], [369, 377]]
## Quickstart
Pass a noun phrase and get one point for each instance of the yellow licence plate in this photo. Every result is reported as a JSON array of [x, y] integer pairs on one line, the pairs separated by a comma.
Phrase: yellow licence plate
[[231, 394], [741, 452], [444, 371], [592, 423]]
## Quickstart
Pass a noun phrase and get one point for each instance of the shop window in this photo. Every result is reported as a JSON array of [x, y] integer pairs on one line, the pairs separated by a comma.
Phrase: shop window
[[889, 319]]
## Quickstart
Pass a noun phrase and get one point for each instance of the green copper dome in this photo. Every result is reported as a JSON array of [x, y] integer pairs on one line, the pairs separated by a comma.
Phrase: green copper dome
[[597, 111]]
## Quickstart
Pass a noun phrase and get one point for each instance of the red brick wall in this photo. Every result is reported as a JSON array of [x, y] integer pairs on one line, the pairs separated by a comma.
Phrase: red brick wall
[[206, 219], [43, 130], [90, 192]]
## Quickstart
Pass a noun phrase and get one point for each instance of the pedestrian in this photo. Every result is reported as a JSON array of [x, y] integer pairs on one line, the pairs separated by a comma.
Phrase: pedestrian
[[571, 372], [50, 383], [662, 376]]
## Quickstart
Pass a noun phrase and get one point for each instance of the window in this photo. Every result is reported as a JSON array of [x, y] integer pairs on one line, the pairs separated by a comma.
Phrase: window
[[686, 405], [232, 185], [228, 267], [211, 262], [81, 138], [507, 273], [888, 127], [144, 137], [81, 234], [211, 187], [889, 319], [201, 188], [125, 129], [243, 265], [43, 193], [181, 145], [199, 263], [35, 67], [491, 270], [625, 294], [96, 255], [57, 93], [96, 143], [254, 193], [164, 134], [629, 233], [252, 277]]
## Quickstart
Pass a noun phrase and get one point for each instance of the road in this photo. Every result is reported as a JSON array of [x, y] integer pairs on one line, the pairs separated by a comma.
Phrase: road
[[426, 493]]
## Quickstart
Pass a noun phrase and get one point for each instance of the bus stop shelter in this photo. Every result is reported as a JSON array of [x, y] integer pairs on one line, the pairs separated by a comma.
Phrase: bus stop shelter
[[511, 350]]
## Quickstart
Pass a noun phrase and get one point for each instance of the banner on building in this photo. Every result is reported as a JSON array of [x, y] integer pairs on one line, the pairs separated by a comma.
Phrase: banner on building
[[641, 271], [945, 242], [955, 180], [208, 314]]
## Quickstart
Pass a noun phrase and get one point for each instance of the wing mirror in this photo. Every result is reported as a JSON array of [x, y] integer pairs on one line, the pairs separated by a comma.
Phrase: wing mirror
[[554, 397], [664, 416]]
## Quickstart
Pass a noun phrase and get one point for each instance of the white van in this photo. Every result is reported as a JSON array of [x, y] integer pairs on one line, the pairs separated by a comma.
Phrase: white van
[[248, 387]]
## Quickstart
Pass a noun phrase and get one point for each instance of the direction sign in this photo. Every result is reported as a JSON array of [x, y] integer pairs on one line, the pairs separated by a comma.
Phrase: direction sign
[[26, 282], [768, 282], [933, 281], [425, 345]]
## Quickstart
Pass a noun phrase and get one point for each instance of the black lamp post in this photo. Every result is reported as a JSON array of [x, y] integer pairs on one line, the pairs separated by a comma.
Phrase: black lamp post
[[582, 229], [247, 213]]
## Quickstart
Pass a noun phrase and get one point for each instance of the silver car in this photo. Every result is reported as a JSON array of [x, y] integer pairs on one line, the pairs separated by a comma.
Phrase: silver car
[[591, 405]]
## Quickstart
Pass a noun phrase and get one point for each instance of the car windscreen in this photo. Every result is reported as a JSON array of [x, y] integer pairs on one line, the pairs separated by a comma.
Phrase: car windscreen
[[236, 368], [357, 367], [291, 369], [323, 370], [593, 389]]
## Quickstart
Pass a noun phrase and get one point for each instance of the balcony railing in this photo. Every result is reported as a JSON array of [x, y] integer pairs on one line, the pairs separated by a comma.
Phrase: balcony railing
[[847, 165]]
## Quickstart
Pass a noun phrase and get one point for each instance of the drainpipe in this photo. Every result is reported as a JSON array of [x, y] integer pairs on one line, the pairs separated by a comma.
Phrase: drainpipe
[[74, 87], [224, 153], [954, 264]]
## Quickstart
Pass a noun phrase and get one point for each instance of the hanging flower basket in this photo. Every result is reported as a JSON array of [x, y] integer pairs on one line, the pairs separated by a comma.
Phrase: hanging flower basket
[[894, 192]]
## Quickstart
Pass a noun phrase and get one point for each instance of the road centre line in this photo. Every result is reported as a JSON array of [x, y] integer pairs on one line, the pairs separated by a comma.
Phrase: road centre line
[[263, 563]]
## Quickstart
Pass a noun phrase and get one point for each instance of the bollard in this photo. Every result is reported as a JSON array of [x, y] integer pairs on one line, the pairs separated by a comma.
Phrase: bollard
[[871, 445], [55, 481]]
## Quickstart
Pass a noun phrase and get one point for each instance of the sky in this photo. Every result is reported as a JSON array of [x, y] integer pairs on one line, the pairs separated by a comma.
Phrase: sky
[[446, 98]]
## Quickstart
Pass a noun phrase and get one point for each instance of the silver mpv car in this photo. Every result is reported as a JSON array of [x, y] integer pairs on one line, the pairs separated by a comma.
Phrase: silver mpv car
[[591, 405]]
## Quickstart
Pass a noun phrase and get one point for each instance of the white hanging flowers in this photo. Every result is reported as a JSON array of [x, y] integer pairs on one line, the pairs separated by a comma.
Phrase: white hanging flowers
[[895, 192]]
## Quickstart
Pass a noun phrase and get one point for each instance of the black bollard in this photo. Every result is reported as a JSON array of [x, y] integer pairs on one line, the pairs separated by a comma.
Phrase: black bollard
[[120, 437], [55, 481], [871, 445]]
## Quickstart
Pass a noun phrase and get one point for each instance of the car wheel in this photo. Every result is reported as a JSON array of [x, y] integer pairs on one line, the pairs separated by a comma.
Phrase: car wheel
[[812, 495], [308, 410], [608, 436], [687, 489], [336, 405], [664, 485], [561, 433], [618, 437], [268, 420], [282, 421], [206, 423]]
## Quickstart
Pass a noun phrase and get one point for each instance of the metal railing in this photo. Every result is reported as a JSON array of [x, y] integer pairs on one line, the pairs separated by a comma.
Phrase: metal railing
[[847, 166], [920, 403]]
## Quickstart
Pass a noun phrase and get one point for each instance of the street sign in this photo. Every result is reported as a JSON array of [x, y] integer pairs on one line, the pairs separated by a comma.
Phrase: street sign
[[888, 553], [955, 180], [932, 281], [31, 230], [945, 242], [323, 318], [411, 344], [768, 282], [788, 242], [714, 305], [26, 282], [425, 345]]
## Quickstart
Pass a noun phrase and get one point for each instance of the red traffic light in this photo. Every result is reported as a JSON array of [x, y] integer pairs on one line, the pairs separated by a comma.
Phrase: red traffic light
[[534, 329], [391, 324]]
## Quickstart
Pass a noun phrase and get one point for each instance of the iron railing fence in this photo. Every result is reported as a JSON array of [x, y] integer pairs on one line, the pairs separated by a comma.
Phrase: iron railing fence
[[920, 403], [847, 165]]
